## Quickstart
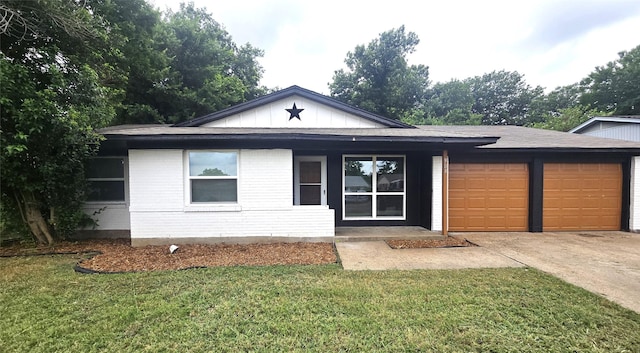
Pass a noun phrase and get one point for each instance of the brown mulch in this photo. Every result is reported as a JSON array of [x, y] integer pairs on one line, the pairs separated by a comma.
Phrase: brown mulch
[[119, 256], [448, 242], [114, 256]]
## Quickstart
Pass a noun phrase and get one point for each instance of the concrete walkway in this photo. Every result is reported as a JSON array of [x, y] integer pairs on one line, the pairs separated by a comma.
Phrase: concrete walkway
[[605, 263]]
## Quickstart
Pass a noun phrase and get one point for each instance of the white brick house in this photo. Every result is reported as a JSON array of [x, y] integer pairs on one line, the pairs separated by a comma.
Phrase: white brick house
[[293, 165]]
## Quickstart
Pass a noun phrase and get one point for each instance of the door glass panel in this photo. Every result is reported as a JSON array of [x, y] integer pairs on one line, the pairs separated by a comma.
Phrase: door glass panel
[[357, 174], [390, 174], [310, 194], [357, 205], [310, 172], [389, 205]]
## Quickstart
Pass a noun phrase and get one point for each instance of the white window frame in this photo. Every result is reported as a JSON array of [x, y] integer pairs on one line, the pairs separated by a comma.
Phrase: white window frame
[[189, 178], [124, 179], [374, 185]]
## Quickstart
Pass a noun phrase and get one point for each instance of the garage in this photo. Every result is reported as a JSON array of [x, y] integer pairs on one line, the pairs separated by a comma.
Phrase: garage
[[582, 196], [488, 197]]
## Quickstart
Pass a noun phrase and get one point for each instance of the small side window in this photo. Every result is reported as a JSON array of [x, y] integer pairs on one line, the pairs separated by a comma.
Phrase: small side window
[[105, 176], [213, 177]]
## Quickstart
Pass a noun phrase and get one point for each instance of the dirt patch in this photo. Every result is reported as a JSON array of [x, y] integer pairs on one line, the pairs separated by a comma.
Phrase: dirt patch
[[119, 256], [448, 242]]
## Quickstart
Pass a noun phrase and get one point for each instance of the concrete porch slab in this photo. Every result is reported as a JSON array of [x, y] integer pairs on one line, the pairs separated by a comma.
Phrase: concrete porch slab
[[349, 234]]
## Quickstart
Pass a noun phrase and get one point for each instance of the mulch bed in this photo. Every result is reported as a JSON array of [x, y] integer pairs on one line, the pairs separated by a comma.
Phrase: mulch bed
[[448, 242], [116, 256]]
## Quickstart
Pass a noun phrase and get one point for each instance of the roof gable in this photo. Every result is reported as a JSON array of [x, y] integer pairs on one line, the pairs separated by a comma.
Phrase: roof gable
[[629, 119], [276, 110]]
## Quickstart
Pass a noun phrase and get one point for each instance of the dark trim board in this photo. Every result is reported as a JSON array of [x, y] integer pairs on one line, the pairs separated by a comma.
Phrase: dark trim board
[[626, 195], [536, 197]]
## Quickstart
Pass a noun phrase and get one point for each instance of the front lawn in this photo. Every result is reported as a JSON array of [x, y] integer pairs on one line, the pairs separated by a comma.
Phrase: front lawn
[[46, 307]]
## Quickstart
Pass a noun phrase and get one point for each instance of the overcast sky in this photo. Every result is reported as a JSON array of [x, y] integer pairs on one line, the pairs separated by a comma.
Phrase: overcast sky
[[552, 42]]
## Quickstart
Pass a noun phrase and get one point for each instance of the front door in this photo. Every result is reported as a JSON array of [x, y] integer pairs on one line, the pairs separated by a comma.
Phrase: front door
[[310, 180]]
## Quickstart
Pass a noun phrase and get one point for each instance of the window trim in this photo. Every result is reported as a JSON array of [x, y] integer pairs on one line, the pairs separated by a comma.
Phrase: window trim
[[188, 177], [124, 179], [374, 192]]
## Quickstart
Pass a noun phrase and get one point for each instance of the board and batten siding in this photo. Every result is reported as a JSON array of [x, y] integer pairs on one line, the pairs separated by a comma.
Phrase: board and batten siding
[[274, 115], [161, 211]]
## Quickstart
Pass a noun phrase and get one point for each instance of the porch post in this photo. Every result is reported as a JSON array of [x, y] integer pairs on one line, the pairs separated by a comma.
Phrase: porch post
[[445, 192]]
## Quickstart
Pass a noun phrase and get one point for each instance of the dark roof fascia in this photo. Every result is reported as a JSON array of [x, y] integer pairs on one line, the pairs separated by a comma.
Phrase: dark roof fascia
[[626, 150], [476, 141], [287, 92]]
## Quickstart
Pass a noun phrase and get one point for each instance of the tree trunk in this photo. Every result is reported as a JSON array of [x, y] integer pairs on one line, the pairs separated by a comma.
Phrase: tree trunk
[[30, 210]]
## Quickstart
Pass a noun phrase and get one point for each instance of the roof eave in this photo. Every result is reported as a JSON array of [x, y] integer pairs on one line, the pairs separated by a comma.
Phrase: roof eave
[[476, 141]]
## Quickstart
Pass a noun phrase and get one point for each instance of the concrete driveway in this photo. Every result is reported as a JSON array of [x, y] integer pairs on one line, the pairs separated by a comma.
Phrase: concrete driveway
[[605, 263]]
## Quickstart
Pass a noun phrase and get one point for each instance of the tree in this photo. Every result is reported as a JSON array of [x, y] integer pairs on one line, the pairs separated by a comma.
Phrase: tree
[[550, 105], [207, 71], [502, 98], [53, 94], [139, 62], [567, 118], [379, 79], [614, 87], [451, 103]]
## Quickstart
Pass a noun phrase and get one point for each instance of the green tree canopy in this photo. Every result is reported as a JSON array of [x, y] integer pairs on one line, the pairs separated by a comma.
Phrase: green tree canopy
[[615, 86], [567, 118], [53, 78], [503, 98], [379, 79], [451, 103]]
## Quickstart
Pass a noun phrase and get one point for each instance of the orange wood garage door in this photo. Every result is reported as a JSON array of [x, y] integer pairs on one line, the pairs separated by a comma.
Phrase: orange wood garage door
[[582, 197], [488, 197]]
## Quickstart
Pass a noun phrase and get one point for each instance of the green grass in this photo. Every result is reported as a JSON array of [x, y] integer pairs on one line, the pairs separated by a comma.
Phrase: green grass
[[46, 307]]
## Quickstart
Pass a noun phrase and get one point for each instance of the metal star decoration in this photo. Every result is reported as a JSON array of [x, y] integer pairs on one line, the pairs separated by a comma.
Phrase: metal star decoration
[[294, 112]]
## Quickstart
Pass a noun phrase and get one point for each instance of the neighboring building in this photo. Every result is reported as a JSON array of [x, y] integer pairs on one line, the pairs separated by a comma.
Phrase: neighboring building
[[614, 127], [293, 165]]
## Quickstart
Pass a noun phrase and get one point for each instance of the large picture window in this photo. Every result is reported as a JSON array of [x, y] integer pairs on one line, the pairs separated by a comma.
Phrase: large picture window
[[374, 187], [213, 176], [105, 176]]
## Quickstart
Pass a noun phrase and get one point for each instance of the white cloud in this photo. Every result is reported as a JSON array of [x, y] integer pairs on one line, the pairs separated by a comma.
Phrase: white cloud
[[551, 42]]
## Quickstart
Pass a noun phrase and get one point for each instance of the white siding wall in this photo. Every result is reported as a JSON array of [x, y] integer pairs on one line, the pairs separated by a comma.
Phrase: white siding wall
[[314, 116], [634, 212], [160, 203], [436, 195], [629, 132], [109, 216]]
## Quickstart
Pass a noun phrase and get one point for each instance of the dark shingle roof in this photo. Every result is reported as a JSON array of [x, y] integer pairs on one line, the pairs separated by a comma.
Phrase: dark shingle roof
[[485, 137], [518, 137]]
